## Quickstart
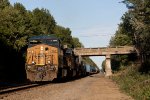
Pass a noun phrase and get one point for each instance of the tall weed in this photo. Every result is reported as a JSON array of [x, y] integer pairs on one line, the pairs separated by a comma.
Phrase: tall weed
[[134, 83]]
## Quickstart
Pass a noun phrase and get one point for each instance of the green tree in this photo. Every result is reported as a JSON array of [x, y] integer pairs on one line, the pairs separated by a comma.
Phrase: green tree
[[120, 40], [42, 21], [64, 34], [134, 28], [14, 26], [139, 11], [123, 37], [4, 3], [77, 43]]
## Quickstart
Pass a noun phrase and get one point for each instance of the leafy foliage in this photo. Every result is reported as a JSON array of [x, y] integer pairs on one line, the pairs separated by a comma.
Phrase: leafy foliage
[[42, 21], [4, 3], [120, 40], [77, 43], [139, 18], [65, 35], [135, 28]]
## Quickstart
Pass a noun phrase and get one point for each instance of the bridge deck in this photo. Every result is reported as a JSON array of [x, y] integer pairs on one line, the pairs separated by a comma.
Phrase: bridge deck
[[103, 51]]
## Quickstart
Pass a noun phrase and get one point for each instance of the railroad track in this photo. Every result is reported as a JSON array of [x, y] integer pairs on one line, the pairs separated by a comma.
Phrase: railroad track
[[12, 88], [20, 88]]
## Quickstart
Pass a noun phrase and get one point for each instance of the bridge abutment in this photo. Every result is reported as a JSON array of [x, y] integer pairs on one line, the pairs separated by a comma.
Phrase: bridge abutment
[[108, 66]]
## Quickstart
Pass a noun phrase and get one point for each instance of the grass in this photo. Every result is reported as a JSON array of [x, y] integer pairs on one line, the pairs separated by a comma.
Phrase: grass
[[134, 83]]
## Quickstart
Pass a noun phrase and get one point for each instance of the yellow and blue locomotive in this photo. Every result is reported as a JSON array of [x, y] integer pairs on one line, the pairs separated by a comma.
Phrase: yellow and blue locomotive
[[47, 59]]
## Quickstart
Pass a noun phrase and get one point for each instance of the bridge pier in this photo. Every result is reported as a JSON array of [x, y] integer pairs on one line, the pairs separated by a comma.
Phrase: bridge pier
[[108, 66]]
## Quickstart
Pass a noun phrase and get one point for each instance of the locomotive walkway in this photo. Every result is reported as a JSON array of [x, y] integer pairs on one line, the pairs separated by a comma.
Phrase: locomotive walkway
[[94, 87], [105, 51]]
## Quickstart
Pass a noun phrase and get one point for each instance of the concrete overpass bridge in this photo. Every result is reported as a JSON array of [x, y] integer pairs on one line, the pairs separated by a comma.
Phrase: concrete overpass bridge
[[105, 51]]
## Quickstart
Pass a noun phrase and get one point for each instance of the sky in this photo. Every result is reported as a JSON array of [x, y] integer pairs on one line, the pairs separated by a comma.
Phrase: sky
[[94, 22]]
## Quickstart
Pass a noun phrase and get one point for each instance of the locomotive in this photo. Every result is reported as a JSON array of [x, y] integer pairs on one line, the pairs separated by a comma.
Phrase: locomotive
[[47, 60]]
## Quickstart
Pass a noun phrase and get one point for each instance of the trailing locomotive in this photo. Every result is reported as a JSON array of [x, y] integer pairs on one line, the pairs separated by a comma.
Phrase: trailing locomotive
[[47, 60]]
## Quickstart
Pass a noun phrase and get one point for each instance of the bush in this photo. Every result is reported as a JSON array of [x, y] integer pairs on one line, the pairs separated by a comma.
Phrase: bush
[[134, 83]]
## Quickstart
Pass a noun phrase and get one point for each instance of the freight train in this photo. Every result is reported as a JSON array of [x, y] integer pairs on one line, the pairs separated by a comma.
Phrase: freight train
[[91, 69], [47, 60]]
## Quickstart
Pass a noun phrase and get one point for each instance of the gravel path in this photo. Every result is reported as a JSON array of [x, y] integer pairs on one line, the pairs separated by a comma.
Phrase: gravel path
[[94, 87]]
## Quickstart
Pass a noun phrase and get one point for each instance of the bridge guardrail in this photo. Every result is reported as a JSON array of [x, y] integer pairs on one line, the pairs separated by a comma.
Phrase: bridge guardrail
[[105, 50]]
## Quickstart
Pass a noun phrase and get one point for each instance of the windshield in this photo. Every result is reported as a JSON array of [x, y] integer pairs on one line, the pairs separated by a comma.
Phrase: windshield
[[35, 41], [53, 42]]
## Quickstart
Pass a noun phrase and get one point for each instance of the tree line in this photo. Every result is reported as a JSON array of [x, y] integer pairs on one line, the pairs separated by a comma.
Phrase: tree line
[[17, 25], [134, 29]]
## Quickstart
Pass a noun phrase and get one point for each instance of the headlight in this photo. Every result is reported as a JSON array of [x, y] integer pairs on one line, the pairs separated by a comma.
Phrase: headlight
[[28, 67], [42, 48], [49, 62], [33, 62]]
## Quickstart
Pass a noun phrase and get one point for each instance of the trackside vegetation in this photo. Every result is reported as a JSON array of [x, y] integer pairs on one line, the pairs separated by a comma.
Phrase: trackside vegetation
[[134, 83], [132, 72]]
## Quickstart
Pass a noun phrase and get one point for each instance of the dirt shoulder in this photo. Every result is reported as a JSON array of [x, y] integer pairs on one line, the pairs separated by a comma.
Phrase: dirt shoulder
[[94, 87]]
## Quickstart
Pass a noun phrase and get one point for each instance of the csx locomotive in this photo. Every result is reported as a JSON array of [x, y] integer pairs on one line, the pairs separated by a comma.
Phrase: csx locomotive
[[47, 59]]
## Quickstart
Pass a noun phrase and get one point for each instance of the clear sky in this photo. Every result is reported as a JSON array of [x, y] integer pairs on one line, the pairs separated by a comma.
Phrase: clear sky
[[92, 21]]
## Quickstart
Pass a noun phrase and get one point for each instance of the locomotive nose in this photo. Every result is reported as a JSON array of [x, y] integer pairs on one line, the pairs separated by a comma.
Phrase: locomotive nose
[[41, 59], [41, 56]]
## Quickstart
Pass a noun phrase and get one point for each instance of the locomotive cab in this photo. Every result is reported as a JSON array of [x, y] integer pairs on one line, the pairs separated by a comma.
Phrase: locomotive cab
[[43, 58]]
